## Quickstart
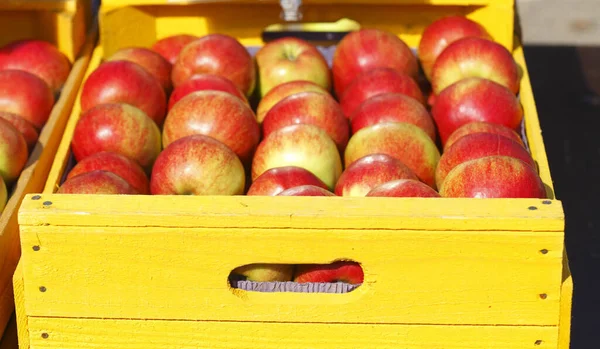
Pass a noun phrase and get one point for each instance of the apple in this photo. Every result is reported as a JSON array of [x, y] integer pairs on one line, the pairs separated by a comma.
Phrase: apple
[[482, 127], [3, 195], [375, 82], [475, 57], [119, 128], [197, 165], [278, 179], [170, 46], [260, 272], [312, 108], [306, 190], [152, 62], [39, 58], [116, 163], [217, 114], [288, 59], [493, 177], [217, 54], [340, 271], [25, 95], [475, 99], [370, 171], [403, 188], [282, 91], [301, 145], [390, 107], [406, 142], [125, 82], [96, 182], [476, 146], [367, 49], [201, 82], [13, 152], [441, 33], [28, 131]]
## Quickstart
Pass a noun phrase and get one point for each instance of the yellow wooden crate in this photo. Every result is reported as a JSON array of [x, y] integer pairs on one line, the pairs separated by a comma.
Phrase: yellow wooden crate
[[66, 24], [151, 271]]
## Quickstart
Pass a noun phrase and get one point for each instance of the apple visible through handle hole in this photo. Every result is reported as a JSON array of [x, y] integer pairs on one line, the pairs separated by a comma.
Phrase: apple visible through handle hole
[[341, 276]]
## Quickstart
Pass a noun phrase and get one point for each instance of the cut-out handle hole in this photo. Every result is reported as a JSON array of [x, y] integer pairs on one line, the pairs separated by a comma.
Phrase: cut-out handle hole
[[336, 277]]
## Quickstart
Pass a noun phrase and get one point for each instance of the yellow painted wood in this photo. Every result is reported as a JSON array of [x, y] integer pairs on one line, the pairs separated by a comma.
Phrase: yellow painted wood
[[566, 298], [118, 334], [141, 23], [21, 315], [474, 277], [32, 180], [64, 23]]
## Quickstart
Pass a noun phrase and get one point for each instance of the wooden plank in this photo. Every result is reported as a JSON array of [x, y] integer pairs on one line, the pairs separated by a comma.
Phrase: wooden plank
[[566, 298], [21, 316], [410, 276], [60, 333], [292, 212]]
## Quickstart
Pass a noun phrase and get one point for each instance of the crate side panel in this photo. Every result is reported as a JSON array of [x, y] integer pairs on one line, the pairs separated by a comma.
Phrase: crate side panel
[[566, 299], [410, 276], [19, 291], [107, 334]]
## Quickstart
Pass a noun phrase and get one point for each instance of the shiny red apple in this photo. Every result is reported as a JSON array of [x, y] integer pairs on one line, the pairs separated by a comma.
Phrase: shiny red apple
[[202, 82], [306, 190], [27, 96], [96, 182], [282, 91], [28, 131], [403, 188], [152, 62], [170, 46], [341, 271], [278, 179], [482, 127]]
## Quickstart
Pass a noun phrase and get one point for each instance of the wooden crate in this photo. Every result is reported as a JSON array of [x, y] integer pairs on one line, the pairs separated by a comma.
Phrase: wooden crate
[[65, 24], [151, 271]]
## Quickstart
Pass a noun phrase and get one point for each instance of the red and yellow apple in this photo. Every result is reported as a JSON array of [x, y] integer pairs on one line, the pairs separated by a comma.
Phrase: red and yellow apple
[[301, 145], [306, 190], [341, 271], [312, 108], [282, 91], [370, 171], [197, 165], [475, 99], [278, 179], [96, 182], [202, 82], [170, 46], [119, 128], [151, 61], [403, 141], [13, 152], [27, 96], [493, 177], [404, 188], [482, 127], [289, 59], [28, 131]]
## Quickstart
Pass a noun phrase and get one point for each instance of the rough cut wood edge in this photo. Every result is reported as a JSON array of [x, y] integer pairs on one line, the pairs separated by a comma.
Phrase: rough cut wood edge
[[34, 176], [566, 300]]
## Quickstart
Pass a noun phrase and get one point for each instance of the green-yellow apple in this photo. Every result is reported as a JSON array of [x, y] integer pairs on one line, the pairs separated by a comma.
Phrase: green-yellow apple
[[262, 272], [301, 145], [13, 152], [406, 142], [289, 59]]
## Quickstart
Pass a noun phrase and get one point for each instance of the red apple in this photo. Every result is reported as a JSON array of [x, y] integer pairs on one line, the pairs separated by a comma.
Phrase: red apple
[[217, 114], [282, 91], [152, 62], [375, 82], [482, 127], [370, 171], [475, 99], [119, 128], [197, 165], [39, 58], [312, 108], [13, 152], [278, 179], [404, 188], [266, 272], [406, 142], [116, 163], [3, 195], [390, 107], [441, 33], [475, 57], [301, 145], [493, 177], [476, 146], [367, 49], [96, 182], [289, 59], [203, 82], [306, 190], [217, 54], [23, 126], [25, 95], [125, 82], [170, 46], [341, 271]]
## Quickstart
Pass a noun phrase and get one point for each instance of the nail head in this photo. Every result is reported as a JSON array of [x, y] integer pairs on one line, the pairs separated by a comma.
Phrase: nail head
[[544, 251], [547, 202], [532, 208], [543, 296], [47, 203], [42, 289], [36, 248], [45, 335], [36, 197], [538, 342]]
